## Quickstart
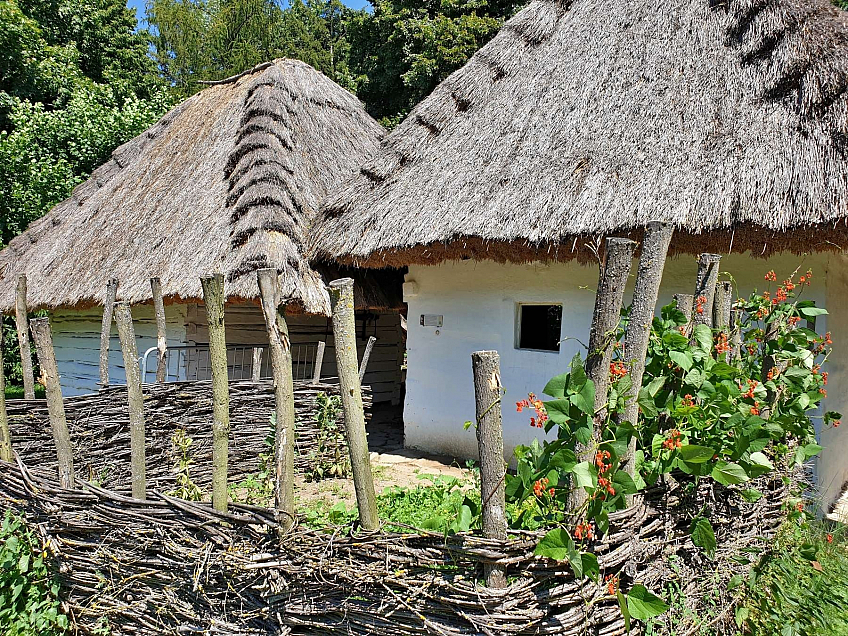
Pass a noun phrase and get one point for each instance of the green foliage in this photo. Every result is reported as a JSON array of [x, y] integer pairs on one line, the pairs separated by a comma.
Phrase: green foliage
[[186, 488], [329, 456], [800, 586], [29, 590]]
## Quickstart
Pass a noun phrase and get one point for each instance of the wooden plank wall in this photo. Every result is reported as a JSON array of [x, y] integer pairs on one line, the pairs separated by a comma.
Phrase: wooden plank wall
[[246, 326]]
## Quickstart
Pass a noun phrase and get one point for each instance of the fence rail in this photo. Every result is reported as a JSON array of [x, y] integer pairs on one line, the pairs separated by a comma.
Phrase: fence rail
[[191, 362]]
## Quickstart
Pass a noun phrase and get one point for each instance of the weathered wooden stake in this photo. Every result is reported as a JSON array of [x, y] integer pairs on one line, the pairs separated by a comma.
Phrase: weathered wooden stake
[[5, 438], [723, 303], [645, 294], [319, 362], [365, 356], [135, 398], [344, 331], [21, 324], [55, 407], [213, 298], [684, 304], [256, 369], [735, 334], [281, 367], [618, 258], [487, 393], [705, 287], [106, 330], [161, 330]]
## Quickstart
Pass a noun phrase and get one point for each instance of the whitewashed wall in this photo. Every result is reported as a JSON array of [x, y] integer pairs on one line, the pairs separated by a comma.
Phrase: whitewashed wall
[[478, 301], [76, 338]]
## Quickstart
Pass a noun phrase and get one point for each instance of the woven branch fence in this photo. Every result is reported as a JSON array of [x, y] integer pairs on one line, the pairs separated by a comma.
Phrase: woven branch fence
[[174, 567], [99, 427]]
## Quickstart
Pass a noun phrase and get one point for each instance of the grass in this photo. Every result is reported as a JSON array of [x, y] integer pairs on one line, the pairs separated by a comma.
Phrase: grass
[[17, 392]]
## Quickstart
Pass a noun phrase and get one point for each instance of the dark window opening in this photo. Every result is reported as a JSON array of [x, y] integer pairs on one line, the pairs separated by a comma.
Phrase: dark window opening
[[539, 327]]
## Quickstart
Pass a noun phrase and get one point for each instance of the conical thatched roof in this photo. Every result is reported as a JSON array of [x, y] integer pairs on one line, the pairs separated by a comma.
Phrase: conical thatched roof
[[228, 181], [579, 118]]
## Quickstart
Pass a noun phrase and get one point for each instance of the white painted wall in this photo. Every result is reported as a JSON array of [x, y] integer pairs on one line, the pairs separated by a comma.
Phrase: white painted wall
[[76, 339], [478, 301]]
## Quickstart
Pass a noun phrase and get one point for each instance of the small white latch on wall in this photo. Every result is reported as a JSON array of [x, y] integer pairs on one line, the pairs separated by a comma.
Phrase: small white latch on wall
[[431, 320]]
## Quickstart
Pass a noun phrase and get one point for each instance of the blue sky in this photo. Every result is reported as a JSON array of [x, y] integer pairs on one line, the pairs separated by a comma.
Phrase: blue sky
[[138, 5]]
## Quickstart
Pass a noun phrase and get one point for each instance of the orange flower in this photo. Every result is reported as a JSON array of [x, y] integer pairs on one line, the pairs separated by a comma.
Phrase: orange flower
[[770, 275], [612, 583], [829, 538]]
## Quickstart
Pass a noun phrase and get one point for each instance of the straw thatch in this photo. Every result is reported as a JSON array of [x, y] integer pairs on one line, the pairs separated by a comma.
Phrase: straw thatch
[[229, 180], [728, 119]]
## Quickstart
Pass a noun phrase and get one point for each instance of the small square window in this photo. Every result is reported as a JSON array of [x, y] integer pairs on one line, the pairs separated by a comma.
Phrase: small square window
[[539, 327]]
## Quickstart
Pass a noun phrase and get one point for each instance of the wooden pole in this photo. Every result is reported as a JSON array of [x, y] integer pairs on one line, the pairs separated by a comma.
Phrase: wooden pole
[[319, 362], [618, 258], [281, 366], [161, 331], [213, 298], [705, 288], [5, 438], [106, 330], [642, 310], [256, 369], [344, 331], [365, 356], [135, 398], [722, 304], [735, 334], [487, 393], [21, 324], [684, 304], [55, 407]]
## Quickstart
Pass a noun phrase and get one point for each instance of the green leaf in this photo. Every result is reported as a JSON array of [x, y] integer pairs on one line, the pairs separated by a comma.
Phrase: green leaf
[[751, 495], [586, 474], [693, 454], [463, 521], [558, 410], [433, 523], [809, 312], [742, 614], [590, 565], [760, 464], [811, 450], [556, 386], [704, 337], [556, 545], [624, 483], [646, 404], [675, 340], [703, 535], [585, 399], [728, 473], [642, 604], [564, 460], [622, 604], [734, 582], [655, 385], [683, 359]]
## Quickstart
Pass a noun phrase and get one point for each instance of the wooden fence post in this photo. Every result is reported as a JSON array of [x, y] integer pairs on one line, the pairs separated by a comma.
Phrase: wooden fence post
[[618, 257], [281, 366], [642, 310], [21, 324], [344, 332], [705, 288], [365, 356], [256, 369], [5, 438], [735, 335], [684, 304], [55, 407], [319, 362], [161, 330], [106, 330], [487, 393], [723, 303], [213, 298], [135, 399]]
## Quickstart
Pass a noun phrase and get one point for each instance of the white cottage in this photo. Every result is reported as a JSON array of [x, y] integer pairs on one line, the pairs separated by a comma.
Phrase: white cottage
[[228, 181], [583, 119]]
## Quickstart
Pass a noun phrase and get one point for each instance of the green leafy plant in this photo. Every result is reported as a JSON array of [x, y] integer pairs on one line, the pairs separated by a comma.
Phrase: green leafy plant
[[328, 457], [186, 488], [29, 589], [709, 409]]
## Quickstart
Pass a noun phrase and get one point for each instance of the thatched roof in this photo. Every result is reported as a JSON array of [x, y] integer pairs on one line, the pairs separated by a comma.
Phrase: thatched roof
[[228, 181], [729, 119]]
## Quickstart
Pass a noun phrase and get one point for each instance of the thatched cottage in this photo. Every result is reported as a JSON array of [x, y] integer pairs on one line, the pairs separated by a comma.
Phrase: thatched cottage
[[581, 119], [229, 181]]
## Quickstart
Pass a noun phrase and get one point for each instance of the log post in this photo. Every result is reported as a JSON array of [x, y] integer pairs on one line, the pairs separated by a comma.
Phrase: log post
[[344, 331], [705, 287], [722, 305], [55, 407], [487, 393], [213, 298], [281, 366], [319, 362], [365, 356], [135, 398], [21, 324], [735, 334], [684, 304], [256, 369], [642, 310], [106, 330], [5, 438], [161, 331], [618, 258]]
